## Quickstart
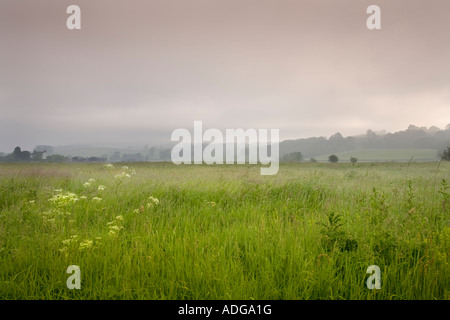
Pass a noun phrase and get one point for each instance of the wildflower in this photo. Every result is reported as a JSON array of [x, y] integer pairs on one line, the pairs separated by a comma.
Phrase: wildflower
[[101, 187], [86, 244], [124, 168], [153, 202], [109, 166], [87, 185], [31, 201], [120, 176], [64, 200], [119, 218], [96, 199], [136, 211], [83, 198], [91, 180]]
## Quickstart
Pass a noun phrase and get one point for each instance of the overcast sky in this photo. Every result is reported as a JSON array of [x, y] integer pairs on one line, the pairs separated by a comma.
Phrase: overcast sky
[[137, 70]]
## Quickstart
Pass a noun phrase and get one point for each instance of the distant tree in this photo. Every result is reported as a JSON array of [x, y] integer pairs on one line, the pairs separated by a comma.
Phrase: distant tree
[[313, 160], [17, 153], [445, 155], [132, 157], [165, 155], [115, 156], [333, 158], [25, 155], [79, 159], [56, 158], [20, 155], [353, 160], [38, 155], [293, 157], [433, 129], [412, 127]]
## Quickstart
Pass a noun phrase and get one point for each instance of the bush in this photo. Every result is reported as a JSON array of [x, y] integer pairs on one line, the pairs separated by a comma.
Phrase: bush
[[333, 158], [293, 157], [445, 155]]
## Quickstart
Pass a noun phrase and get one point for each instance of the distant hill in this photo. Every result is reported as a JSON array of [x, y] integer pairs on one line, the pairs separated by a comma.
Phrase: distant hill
[[375, 146]]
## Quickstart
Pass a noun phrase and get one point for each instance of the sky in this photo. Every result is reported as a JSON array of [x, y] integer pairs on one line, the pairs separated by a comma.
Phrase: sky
[[138, 70]]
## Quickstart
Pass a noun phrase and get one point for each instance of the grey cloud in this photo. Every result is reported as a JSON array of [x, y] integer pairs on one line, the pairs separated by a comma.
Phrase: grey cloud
[[139, 69]]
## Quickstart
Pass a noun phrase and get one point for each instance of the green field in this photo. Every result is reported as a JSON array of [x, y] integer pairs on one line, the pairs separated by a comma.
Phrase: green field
[[374, 155], [225, 232]]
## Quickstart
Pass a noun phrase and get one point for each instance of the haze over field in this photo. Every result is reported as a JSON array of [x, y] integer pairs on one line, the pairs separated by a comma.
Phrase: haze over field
[[137, 70]]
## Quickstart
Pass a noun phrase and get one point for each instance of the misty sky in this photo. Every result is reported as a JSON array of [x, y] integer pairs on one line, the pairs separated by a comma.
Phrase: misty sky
[[137, 70]]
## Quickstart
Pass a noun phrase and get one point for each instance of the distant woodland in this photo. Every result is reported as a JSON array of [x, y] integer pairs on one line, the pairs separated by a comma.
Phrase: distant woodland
[[290, 150]]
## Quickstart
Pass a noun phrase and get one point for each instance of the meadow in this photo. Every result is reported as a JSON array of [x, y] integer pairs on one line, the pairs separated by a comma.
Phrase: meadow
[[161, 231]]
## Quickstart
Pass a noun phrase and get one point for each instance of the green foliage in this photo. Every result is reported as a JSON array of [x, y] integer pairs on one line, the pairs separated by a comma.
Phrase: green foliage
[[333, 237]]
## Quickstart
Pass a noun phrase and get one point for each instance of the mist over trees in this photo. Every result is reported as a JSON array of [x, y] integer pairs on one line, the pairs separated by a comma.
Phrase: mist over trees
[[290, 150], [412, 138]]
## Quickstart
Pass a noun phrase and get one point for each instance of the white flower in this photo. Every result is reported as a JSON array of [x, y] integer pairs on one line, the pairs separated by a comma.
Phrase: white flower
[[109, 166], [97, 199], [120, 175], [101, 187], [91, 180], [87, 185], [119, 218], [154, 200]]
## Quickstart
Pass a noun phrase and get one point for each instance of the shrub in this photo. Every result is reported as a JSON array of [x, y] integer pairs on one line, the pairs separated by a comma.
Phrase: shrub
[[333, 158]]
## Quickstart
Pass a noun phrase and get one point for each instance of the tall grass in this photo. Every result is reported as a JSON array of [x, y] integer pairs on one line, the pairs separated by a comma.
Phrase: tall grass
[[224, 232]]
